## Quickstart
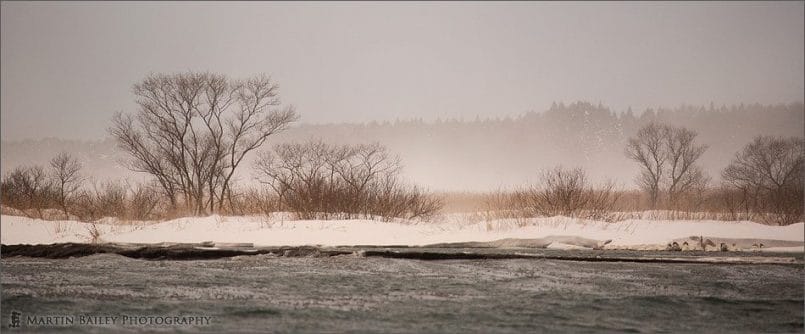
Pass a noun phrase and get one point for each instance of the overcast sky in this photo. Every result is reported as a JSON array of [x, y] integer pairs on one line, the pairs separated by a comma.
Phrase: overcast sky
[[67, 67]]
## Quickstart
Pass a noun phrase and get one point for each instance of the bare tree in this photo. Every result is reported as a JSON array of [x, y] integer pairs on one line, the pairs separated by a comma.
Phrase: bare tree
[[682, 153], [255, 120], [667, 156], [192, 131], [66, 179], [769, 174], [647, 150]]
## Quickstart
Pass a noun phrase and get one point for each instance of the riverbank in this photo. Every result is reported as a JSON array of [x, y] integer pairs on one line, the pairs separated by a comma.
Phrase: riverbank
[[554, 232]]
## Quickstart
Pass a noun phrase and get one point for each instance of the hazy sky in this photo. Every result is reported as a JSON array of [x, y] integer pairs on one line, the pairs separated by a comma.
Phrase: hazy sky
[[67, 67]]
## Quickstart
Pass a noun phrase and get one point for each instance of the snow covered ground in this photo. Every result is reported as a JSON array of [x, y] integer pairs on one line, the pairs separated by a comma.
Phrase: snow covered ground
[[629, 234]]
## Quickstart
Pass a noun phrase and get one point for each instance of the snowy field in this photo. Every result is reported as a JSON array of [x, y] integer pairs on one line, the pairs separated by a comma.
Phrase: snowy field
[[260, 231]]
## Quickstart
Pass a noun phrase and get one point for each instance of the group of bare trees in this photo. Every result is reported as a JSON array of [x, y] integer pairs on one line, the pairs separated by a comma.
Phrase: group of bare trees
[[667, 157], [37, 191], [193, 130], [34, 188], [767, 177], [316, 180]]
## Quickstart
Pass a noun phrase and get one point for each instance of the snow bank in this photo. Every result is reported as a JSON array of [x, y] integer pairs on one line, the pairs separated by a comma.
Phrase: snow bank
[[634, 234]]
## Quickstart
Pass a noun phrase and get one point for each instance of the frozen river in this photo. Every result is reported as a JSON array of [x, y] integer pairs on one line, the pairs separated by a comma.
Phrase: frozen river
[[349, 293]]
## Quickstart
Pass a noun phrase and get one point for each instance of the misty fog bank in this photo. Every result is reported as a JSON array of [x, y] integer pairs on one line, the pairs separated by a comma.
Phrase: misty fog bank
[[487, 154]]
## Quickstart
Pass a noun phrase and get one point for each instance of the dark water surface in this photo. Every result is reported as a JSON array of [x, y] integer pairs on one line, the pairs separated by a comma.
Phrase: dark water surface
[[371, 294]]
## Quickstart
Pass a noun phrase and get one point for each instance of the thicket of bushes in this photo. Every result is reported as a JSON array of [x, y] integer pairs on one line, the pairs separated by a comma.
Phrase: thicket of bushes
[[561, 191], [315, 180], [763, 183], [40, 193], [310, 180], [714, 203]]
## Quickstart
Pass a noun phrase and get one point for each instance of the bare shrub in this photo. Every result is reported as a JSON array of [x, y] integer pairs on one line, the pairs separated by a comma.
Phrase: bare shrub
[[507, 205], [391, 199], [144, 202], [255, 201], [27, 189], [66, 180], [296, 173], [567, 192], [561, 191], [110, 199], [251, 201], [601, 202], [120, 200], [315, 180]]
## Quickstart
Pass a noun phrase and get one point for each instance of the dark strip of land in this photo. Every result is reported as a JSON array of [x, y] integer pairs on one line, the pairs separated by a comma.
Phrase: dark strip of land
[[157, 252], [205, 251]]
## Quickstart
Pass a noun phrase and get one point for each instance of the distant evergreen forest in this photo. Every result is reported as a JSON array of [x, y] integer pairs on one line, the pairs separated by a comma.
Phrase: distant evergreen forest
[[488, 154]]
